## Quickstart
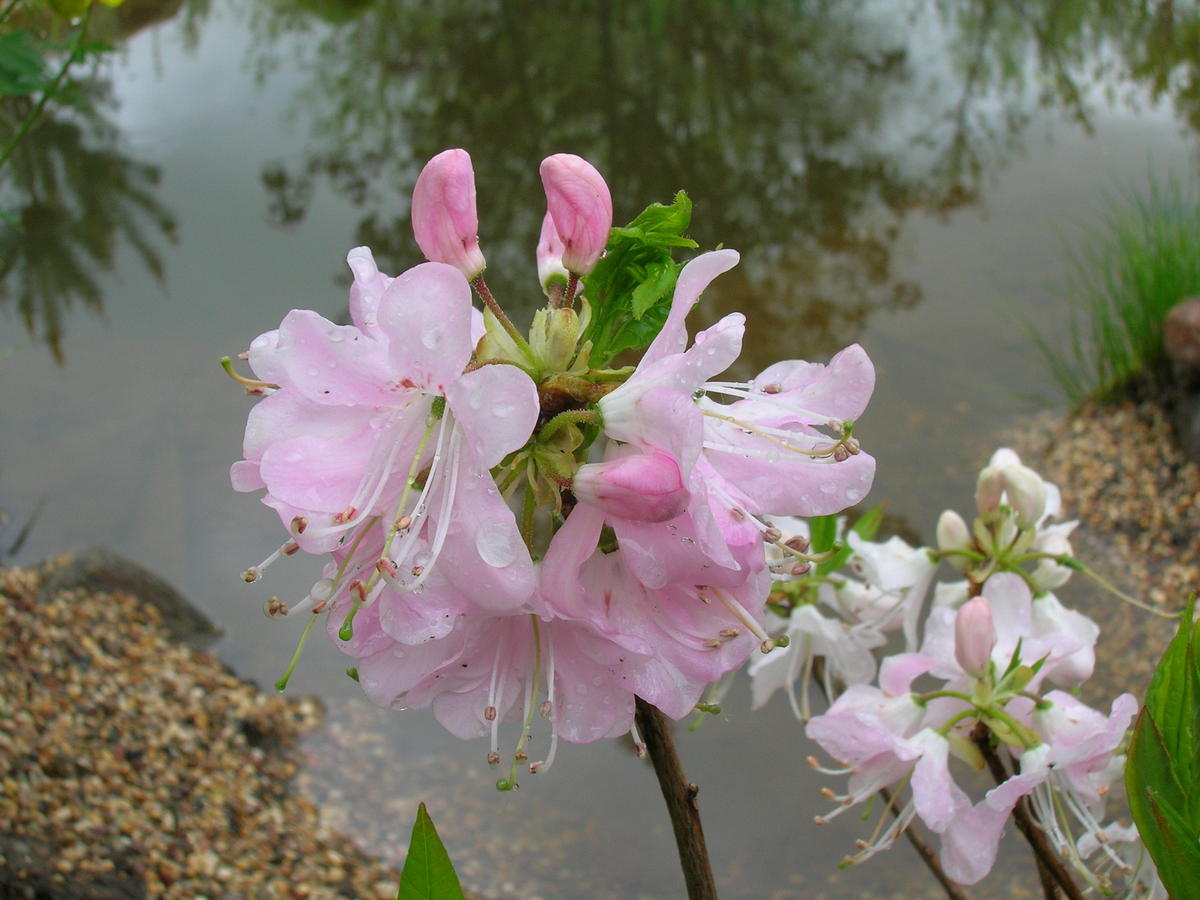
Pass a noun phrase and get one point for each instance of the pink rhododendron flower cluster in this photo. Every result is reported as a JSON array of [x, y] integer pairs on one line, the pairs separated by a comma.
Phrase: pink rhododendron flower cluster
[[513, 531], [980, 680]]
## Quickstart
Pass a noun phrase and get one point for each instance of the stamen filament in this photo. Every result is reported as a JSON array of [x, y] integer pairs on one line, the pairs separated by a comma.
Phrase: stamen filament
[[282, 683]]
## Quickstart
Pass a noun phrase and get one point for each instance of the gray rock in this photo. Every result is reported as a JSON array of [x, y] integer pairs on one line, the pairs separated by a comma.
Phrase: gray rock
[[28, 872], [1181, 335], [98, 569]]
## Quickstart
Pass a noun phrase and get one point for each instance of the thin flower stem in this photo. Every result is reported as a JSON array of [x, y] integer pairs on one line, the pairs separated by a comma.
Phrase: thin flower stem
[[485, 294], [569, 417], [572, 286], [680, 797], [50, 91], [1030, 830], [8, 8]]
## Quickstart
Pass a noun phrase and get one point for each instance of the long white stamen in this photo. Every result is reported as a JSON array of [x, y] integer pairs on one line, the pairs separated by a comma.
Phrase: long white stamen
[[445, 513], [362, 504], [254, 573], [794, 664], [745, 618], [639, 746], [493, 699], [773, 455], [549, 761], [421, 509], [743, 391]]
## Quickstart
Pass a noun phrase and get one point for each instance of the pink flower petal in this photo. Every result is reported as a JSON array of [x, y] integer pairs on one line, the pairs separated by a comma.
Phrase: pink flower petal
[[693, 279], [335, 365], [426, 314], [497, 408]]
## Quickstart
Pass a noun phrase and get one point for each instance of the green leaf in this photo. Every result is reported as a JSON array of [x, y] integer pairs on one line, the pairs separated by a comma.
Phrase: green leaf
[[1163, 763], [428, 873], [659, 284], [868, 523], [821, 532], [22, 68], [1172, 701], [631, 287], [69, 9]]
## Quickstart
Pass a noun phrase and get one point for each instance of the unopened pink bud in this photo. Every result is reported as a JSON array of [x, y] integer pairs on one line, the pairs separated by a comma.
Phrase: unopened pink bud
[[549, 256], [444, 219], [974, 636], [646, 487], [580, 205]]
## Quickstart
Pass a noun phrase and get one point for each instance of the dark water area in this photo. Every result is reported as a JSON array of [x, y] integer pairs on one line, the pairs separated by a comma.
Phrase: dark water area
[[900, 174]]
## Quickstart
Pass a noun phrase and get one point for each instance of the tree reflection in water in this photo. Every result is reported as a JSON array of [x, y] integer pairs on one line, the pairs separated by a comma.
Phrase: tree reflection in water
[[70, 197]]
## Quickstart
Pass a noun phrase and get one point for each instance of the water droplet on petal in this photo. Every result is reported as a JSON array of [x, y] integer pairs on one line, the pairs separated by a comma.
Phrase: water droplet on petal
[[502, 410], [260, 343], [431, 338], [495, 547]]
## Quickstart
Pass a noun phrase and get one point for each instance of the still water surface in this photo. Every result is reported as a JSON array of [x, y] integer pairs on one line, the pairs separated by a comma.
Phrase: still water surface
[[899, 174]]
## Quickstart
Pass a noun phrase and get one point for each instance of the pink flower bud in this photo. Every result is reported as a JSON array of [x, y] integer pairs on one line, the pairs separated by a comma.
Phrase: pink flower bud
[[444, 219], [580, 205], [974, 636], [646, 487], [549, 256], [1026, 494]]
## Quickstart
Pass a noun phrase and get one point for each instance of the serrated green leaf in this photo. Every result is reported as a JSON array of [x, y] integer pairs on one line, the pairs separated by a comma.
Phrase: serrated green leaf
[[631, 286], [428, 873], [22, 67], [659, 285]]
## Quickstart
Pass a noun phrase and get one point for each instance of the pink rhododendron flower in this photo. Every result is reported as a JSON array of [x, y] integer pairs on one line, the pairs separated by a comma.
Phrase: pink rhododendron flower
[[361, 408]]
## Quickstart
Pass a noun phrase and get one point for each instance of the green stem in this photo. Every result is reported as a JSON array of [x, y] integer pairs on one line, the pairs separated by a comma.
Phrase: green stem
[[527, 509], [489, 301], [8, 8], [36, 112], [621, 374], [282, 683], [933, 695], [570, 417]]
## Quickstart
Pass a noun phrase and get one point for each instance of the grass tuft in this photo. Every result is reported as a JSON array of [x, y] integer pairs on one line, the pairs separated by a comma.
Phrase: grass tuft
[[1129, 268]]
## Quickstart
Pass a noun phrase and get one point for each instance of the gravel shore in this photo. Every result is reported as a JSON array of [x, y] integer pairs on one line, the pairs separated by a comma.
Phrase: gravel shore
[[1135, 494], [134, 766]]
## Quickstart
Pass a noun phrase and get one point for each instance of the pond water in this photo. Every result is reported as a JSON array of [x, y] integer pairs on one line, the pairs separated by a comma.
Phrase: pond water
[[901, 174]]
